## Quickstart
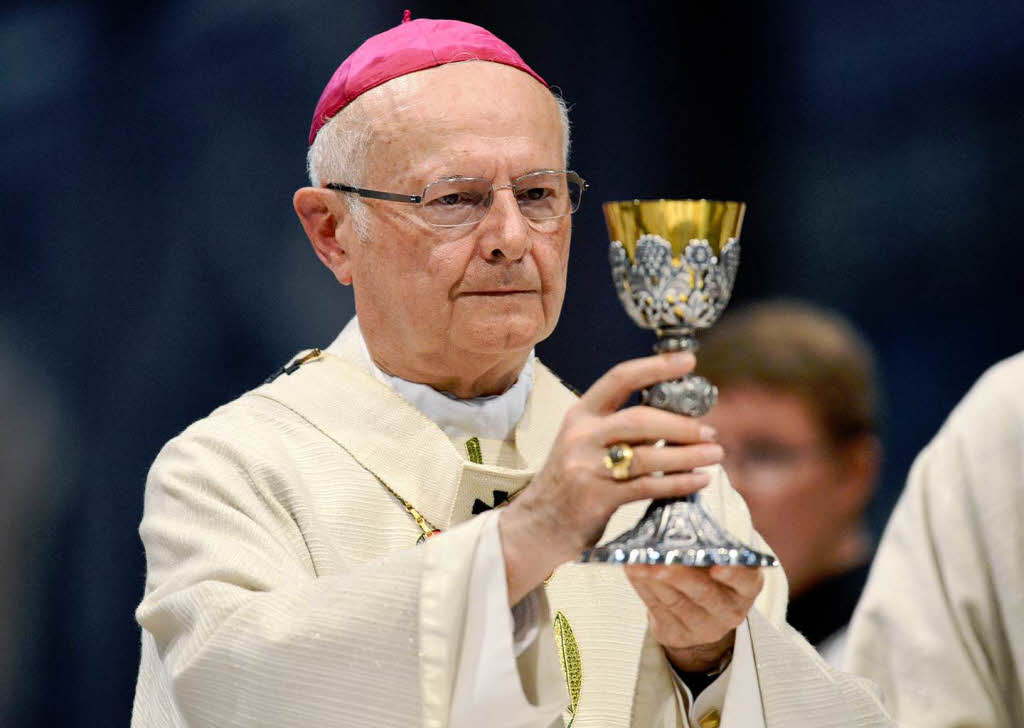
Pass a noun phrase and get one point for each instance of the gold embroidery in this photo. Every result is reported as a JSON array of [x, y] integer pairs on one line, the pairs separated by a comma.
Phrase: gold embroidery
[[473, 448], [572, 665], [711, 719]]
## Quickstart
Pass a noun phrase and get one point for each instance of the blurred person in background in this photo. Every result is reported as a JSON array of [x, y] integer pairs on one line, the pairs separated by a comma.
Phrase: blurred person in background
[[797, 416], [35, 457], [940, 626]]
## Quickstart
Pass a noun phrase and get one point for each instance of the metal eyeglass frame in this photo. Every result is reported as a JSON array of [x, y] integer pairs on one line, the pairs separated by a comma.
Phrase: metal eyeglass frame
[[418, 199]]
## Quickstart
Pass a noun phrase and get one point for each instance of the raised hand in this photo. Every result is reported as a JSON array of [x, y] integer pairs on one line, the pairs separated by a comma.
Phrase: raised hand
[[566, 507]]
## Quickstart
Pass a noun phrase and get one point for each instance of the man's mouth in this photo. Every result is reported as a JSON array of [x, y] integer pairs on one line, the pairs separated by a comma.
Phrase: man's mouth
[[499, 292]]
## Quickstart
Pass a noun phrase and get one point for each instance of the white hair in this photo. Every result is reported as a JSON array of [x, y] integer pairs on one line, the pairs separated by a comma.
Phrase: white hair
[[339, 151]]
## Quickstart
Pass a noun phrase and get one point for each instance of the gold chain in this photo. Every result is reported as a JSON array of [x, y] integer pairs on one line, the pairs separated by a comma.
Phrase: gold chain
[[428, 529], [426, 526]]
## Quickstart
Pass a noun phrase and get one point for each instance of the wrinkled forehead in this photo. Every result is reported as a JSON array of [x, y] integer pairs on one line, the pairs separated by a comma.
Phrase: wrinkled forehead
[[459, 110]]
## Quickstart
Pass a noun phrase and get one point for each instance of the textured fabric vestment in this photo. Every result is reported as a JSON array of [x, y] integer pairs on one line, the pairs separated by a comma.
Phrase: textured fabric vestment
[[941, 624], [283, 587]]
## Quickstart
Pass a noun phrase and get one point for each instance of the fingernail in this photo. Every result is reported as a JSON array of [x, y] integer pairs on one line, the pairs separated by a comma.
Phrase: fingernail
[[682, 357], [708, 433]]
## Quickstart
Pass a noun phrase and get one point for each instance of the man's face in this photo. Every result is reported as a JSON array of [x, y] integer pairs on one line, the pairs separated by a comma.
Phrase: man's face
[[778, 457], [431, 298]]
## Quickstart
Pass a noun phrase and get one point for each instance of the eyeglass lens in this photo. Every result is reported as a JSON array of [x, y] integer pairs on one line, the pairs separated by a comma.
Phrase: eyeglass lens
[[465, 200]]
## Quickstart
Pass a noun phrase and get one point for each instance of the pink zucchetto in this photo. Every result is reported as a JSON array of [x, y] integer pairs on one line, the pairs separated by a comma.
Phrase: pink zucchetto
[[412, 46]]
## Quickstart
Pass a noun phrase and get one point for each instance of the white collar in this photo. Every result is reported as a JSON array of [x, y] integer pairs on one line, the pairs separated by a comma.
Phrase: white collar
[[492, 418]]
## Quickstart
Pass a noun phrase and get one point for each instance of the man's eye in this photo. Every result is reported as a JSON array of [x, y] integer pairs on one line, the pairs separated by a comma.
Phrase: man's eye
[[536, 193], [771, 454], [456, 198]]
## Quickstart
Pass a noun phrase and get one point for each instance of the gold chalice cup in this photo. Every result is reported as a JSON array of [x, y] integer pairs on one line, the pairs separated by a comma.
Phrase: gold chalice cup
[[673, 265]]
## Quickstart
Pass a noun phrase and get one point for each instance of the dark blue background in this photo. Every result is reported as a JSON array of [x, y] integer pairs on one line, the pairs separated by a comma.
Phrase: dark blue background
[[153, 268]]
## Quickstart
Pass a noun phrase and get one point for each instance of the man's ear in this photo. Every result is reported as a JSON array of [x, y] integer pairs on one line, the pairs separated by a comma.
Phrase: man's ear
[[861, 462], [328, 225]]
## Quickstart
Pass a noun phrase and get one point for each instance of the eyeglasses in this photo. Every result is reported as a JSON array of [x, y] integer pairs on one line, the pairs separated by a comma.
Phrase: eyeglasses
[[770, 460], [453, 201]]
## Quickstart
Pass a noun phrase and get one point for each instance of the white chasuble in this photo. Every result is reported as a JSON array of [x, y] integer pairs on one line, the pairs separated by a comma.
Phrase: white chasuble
[[284, 586], [940, 625]]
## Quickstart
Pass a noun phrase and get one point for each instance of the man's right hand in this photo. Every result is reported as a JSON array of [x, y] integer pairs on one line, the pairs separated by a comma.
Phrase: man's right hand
[[567, 506]]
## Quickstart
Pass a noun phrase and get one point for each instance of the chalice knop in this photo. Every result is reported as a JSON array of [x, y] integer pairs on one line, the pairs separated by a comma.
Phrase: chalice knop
[[673, 264]]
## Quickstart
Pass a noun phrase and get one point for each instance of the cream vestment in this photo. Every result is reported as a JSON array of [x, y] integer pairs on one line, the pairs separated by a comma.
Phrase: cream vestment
[[284, 587], [941, 624]]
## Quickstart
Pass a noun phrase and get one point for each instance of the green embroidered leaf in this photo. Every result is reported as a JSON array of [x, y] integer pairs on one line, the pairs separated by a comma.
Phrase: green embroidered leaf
[[473, 449], [569, 655]]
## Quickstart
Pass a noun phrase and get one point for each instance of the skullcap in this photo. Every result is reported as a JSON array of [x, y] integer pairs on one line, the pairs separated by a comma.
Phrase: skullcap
[[409, 47]]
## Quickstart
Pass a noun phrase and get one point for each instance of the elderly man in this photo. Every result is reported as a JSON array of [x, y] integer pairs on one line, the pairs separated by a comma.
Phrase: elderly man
[[313, 558]]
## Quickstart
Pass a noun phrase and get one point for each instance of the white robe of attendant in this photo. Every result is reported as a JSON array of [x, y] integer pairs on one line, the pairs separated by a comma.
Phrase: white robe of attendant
[[283, 587], [940, 626]]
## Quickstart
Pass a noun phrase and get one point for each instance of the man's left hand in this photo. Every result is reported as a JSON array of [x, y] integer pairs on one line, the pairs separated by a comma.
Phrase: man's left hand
[[694, 612]]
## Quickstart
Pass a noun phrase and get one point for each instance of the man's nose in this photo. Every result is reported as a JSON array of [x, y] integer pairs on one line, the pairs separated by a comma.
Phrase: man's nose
[[506, 232]]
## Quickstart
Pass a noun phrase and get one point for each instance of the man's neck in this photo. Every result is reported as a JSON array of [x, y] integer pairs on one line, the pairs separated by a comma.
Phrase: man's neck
[[491, 417], [850, 550], [486, 378]]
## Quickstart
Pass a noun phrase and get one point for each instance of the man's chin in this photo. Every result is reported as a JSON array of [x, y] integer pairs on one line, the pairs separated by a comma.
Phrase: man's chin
[[501, 335]]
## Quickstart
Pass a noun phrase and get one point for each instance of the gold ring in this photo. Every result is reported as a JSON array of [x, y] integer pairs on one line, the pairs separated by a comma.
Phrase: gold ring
[[618, 458]]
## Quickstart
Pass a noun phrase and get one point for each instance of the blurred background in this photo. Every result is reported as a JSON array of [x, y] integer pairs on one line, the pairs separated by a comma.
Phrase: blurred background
[[152, 266]]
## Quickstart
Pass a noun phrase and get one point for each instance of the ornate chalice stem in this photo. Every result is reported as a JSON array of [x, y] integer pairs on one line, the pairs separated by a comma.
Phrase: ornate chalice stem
[[675, 290], [692, 395]]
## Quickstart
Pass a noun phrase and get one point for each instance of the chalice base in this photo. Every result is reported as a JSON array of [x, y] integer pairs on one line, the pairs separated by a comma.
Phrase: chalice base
[[677, 532]]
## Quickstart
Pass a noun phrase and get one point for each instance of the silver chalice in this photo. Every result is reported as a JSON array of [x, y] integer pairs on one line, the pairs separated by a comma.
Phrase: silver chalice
[[673, 264]]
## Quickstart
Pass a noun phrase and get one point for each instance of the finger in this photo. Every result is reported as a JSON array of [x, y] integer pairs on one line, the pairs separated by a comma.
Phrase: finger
[[641, 583], [701, 587], [675, 619], [743, 580], [644, 589], [647, 460], [683, 624], [659, 593], [672, 485], [636, 424], [680, 623], [670, 605], [723, 604], [609, 392]]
